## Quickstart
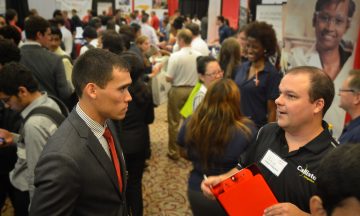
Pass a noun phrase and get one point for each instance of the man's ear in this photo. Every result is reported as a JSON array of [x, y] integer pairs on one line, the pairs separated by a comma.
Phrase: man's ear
[[22, 91], [319, 105], [316, 207], [90, 90], [356, 100], [39, 35]]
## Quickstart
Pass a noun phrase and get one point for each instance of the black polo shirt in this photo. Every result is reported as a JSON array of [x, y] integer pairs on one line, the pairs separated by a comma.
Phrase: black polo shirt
[[296, 182]]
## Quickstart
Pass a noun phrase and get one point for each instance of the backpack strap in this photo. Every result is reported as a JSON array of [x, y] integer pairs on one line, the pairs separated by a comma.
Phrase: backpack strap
[[54, 115], [63, 108]]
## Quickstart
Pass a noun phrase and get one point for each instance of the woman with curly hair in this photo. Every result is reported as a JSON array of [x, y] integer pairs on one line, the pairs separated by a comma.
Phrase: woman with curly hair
[[213, 138], [258, 79]]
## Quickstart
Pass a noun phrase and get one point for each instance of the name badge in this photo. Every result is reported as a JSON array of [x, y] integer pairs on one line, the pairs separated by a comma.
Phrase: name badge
[[273, 162]]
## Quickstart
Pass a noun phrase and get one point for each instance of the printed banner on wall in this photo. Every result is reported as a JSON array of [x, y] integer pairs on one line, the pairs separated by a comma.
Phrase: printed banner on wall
[[313, 36], [143, 5], [271, 14], [103, 8], [243, 13], [80, 5], [123, 5]]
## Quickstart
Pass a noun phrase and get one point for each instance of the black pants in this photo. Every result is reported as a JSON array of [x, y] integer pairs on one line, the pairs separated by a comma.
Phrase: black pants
[[200, 205], [135, 164], [19, 199]]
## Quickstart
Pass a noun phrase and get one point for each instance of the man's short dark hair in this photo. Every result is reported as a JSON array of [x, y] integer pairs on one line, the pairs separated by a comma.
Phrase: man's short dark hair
[[194, 28], [321, 3], [95, 66], [112, 41], [59, 21], [8, 52], [95, 22], [10, 32], [35, 24], [56, 31], [127, 34], [178, 22], [355, 80], [10, 15], [135, 27], [321, 85], [89, 32], [145, 18], [338, 176], [202, 62], [221, 19], [13, 76], [57, 13]]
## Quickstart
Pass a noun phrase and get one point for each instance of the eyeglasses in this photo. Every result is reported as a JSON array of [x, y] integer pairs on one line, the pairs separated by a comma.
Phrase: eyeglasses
[[326, 18], [213, 74], [347, 90]]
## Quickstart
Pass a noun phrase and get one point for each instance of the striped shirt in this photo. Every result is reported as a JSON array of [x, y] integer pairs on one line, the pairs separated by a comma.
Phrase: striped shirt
[[97, 129]]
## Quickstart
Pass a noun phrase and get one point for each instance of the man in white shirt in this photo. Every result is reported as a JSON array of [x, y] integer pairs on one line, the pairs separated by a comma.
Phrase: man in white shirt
[[197, 43], [67, 38], [148, 30], [182, 74]]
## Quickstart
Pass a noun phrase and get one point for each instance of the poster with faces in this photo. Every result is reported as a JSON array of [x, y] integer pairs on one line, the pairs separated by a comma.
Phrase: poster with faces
[[322, 33]]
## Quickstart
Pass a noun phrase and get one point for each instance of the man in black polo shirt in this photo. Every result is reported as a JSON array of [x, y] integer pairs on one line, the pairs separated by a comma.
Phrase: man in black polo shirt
[[288, 152]]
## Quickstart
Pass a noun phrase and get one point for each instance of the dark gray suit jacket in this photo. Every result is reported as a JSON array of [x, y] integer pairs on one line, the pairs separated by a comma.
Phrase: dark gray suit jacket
[[48, 70], [74, 175]]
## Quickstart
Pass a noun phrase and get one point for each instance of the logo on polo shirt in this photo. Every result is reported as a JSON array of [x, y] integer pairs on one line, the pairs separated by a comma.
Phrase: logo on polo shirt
[[306, 174]]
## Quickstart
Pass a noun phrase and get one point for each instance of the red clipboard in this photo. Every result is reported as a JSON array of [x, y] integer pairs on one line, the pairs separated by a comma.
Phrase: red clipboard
[[244, 193]]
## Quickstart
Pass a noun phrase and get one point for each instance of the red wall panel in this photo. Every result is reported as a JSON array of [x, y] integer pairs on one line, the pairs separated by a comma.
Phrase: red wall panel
[[230, 10]]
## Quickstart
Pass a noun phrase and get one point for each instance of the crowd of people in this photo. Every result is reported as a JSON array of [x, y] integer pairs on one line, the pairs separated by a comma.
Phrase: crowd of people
[[75, 113]]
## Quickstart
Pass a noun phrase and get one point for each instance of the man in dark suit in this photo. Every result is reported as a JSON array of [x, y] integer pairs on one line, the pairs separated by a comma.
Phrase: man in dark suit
[[80, 172], [47, 68]]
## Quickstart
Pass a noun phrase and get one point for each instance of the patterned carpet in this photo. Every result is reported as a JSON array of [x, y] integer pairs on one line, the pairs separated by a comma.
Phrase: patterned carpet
[[165, 181]]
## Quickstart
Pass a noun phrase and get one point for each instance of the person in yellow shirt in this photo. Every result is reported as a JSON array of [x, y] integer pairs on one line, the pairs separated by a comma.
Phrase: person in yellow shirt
[[55, 47]]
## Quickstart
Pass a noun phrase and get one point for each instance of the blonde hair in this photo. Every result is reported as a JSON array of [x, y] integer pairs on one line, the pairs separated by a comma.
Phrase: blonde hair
[[141, 39]]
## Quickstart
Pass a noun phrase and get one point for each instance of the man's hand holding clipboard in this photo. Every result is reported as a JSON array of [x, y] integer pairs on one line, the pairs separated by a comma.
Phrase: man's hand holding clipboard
[[243, 192]]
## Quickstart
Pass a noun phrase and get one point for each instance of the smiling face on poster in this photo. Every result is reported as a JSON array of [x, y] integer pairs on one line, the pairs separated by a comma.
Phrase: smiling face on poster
[[322, 33]]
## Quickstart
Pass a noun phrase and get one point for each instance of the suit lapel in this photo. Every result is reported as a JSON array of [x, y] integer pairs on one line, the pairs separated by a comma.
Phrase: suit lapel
[[95, 147], [103, 159]]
